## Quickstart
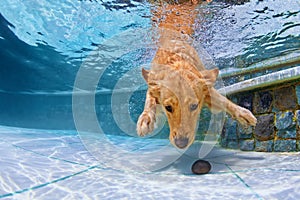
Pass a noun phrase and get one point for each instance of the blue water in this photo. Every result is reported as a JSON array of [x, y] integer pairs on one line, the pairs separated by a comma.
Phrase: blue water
[[72, 64], [44, 43]]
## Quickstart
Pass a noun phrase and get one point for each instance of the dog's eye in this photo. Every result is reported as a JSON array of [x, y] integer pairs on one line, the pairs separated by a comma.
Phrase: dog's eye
[[193, 106], [169, 108]]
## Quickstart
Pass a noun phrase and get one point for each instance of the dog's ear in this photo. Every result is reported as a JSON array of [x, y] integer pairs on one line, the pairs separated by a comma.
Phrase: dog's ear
[[153, 87], [145, 74], [210, 77]]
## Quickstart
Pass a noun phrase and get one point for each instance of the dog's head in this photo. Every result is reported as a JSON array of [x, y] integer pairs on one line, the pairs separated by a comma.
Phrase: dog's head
[[181, 93]]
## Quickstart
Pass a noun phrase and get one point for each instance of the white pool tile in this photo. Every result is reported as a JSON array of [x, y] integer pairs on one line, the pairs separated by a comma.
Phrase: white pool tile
[[21, 170], [273, 184], [107, 184], [44, 165]]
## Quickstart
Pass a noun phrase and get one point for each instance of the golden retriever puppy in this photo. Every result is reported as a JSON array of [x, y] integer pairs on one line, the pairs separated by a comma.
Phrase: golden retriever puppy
[[179, 81]]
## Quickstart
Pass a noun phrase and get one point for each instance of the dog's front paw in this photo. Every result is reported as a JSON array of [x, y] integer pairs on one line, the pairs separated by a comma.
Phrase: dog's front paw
[[145, 123], [245, 117]]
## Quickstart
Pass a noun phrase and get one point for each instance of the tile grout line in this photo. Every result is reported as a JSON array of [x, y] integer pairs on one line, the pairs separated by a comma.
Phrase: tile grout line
[[51, 182], [67, 161], [91, 167], [72, 162], [47, 183], [247, 186], [52, 157], [256, 169]]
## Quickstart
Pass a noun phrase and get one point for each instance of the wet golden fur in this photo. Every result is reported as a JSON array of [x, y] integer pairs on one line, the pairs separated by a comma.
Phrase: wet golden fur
[[179, 81]]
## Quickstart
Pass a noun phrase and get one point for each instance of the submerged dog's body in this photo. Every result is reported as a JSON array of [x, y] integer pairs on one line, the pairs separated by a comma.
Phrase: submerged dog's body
[[179, 82]]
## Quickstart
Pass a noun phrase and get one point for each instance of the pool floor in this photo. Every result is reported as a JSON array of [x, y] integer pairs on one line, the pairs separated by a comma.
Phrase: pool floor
[[42, 164]]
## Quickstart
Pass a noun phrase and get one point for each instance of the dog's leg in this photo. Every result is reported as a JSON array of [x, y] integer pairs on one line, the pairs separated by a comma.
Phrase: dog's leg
[[217, 102], [147, 119]]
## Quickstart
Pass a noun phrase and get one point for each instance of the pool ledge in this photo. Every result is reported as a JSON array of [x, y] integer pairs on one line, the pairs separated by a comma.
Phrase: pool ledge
[[263, 81]]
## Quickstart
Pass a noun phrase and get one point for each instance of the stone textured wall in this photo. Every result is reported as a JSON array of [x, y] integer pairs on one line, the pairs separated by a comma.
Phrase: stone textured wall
[[277, 110]]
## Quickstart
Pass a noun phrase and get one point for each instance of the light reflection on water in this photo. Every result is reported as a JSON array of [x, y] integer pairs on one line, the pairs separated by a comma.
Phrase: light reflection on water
[[251, 32], [60, 34], [44, 44]]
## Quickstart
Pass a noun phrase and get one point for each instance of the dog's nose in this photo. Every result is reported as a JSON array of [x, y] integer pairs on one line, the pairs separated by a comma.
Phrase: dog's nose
[[181, 142]]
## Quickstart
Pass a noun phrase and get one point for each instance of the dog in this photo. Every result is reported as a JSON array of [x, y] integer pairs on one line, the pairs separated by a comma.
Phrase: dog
[[178, 80]]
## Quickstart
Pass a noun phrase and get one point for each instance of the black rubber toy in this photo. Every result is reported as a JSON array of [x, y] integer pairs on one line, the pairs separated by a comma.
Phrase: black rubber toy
[[201, 167]]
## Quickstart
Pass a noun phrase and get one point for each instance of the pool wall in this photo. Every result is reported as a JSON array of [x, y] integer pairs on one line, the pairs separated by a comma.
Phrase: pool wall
[[278, 114], [275, 101]]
